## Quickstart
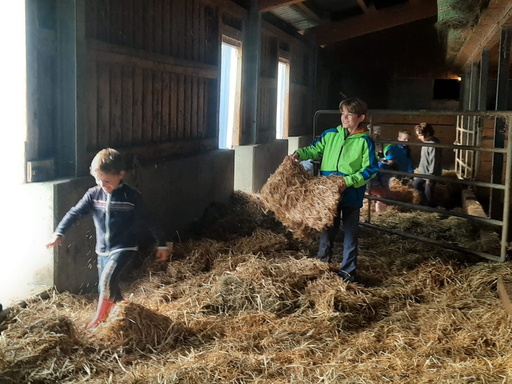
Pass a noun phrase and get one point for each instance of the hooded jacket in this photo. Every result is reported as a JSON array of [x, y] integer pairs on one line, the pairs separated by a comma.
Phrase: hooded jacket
[[116, 218], [352, 157]]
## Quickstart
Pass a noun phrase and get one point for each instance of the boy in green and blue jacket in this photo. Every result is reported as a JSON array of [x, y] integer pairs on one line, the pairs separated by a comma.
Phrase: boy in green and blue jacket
[[346, 151]]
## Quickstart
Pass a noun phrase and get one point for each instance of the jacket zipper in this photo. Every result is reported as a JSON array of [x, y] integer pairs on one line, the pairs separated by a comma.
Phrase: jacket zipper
[[107, 222], [339, 156]]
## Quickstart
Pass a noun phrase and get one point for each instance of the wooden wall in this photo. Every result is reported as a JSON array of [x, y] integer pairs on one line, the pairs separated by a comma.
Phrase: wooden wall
[[152, 76]]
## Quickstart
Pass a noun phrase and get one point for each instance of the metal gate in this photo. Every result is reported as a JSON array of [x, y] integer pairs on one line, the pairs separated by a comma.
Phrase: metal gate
[[467, 148]]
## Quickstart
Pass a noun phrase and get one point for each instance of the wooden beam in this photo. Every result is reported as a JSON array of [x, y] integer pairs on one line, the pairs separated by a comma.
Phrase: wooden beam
[[486, 34], [268, 5], [375, 20]]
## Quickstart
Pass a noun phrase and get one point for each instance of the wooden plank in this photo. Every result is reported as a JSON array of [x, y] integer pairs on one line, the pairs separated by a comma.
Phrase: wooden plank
[[180, 37], [137, 106], [138, 24], [188, 16], [115, 19], [127, 106], [103, 24], [147, 105], [138, 58], [115, 104], [166, 84], [181, 106], [200, 109], [173, 129], [202, 34], [505, 293], [155, 151], [157, 106], [91, 100], [175, 17], [195, 94], [149, 16], [127, 23], [188, 107], [91, 16], [374, 21], [157, 25], [195, 30], [103, 105], [166, 28]]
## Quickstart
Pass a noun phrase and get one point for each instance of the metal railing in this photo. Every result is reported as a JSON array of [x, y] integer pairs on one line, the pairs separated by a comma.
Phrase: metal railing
[[505, 186]]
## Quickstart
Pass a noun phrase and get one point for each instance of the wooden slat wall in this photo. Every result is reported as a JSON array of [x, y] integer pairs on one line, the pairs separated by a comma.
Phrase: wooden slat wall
[[151, 67]]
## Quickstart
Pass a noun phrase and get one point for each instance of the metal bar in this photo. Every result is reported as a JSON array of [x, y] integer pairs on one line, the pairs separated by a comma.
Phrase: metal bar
[[435, 210], [448, 146], [499, 124], [384, 112], [441, 178], [507, 195], [430, 241]]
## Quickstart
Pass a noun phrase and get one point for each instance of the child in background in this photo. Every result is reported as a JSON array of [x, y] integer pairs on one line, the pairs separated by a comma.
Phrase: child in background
[[430, 164], [116, 209], [395, 157]]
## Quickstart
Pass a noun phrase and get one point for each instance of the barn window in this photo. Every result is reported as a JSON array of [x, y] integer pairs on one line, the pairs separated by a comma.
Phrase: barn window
[[283, 88], [230, 87]]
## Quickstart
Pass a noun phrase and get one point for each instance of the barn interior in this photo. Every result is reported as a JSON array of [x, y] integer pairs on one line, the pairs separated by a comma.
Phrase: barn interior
[[204, 99]]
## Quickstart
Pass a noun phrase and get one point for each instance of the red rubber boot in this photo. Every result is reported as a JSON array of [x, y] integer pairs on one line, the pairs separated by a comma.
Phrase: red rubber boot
[[104, 308]]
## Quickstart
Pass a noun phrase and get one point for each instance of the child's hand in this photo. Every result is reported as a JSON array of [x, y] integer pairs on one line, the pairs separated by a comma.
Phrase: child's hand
[[293, 157], [55, 239]]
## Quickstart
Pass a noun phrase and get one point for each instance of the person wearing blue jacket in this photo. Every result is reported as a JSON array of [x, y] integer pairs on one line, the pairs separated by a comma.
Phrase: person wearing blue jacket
[[116, 210], [394, 157], [346, 151]]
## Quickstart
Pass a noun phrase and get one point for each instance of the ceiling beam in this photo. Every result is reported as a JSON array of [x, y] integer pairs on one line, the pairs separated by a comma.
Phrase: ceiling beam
[[268, 5], [486, 34], [374, 20]]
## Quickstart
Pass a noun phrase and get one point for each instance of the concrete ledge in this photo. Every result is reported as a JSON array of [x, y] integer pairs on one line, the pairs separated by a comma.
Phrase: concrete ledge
[[255, 163], [297, 142]]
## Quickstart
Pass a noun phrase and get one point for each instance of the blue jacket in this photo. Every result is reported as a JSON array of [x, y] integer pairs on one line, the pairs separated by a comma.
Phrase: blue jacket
[[400, 154], [116, 217]]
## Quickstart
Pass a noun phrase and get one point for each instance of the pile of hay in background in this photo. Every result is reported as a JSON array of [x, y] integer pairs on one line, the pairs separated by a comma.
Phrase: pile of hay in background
[[305, 204], [258, 307]]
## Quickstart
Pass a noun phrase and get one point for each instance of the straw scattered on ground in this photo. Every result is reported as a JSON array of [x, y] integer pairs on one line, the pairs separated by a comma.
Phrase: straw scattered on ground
[[254, 306]]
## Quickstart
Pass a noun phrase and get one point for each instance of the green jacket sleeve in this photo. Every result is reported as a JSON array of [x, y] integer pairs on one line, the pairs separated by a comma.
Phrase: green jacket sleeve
[[369, 167], [312, 151]]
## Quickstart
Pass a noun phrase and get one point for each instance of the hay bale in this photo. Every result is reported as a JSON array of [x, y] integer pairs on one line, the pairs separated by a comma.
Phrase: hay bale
[[133, 325], [303, 203], [403, 193]]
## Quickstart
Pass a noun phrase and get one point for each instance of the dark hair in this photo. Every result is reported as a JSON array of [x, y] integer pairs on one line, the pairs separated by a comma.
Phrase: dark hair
[[354, 105], [109, 161], [424, 129]]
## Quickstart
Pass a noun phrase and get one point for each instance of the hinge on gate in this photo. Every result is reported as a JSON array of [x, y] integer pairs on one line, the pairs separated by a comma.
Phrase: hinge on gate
[[40, 170]]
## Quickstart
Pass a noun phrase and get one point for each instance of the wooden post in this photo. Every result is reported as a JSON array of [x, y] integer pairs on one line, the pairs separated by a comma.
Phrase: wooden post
[[251, 73], [499, 124], [71, 63], [466, 89]]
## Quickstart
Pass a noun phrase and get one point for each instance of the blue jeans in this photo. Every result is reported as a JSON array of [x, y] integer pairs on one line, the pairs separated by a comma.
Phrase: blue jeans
[[109, 270], [349, 216]]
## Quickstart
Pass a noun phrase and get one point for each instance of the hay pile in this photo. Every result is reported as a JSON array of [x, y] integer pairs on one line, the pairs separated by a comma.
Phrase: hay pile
[[305, 204], [259, 309]]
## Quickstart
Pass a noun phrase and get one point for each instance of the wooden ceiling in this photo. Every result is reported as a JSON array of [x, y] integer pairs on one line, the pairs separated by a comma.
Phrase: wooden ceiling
[[332, 21]]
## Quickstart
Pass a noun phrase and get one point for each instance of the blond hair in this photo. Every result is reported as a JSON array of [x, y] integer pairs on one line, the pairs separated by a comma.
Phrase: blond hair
[[109, 161]]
